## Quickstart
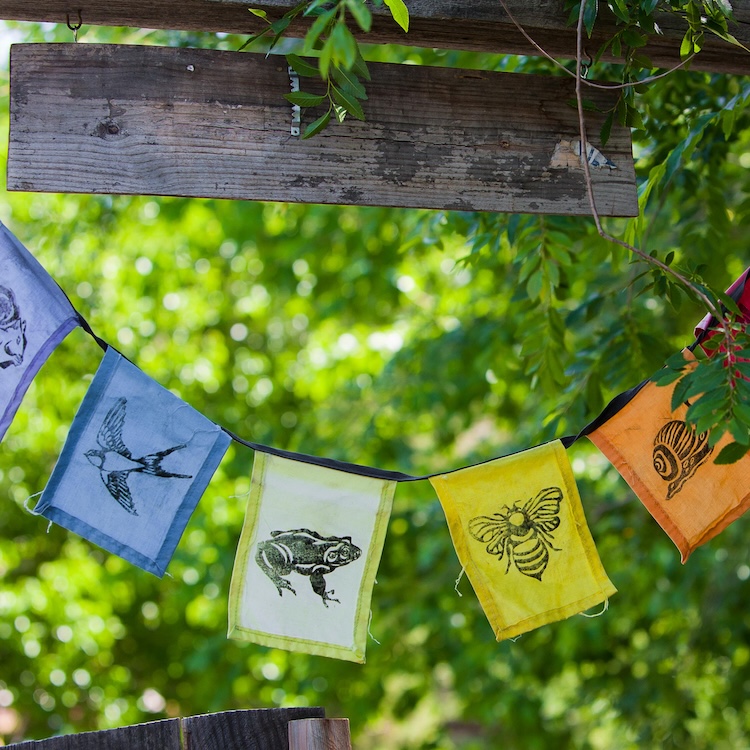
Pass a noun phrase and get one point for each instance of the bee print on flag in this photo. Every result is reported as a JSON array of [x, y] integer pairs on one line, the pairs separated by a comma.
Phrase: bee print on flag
[[522, 533]]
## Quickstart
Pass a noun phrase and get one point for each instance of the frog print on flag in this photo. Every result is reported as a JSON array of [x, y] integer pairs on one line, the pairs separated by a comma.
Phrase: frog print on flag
[[307, 553]]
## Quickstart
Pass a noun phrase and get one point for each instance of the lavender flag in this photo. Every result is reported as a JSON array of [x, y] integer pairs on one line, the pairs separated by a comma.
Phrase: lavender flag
[[35, 316], [136, 462]]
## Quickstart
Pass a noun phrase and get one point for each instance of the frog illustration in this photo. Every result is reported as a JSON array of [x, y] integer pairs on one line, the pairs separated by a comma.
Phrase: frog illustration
[[309, 554]]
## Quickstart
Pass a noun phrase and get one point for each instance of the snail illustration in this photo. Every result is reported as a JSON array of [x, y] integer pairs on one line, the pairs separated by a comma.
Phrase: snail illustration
[[678, 452]]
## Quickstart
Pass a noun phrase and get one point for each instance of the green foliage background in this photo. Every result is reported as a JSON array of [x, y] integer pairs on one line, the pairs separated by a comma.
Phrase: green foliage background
[[417, 341]]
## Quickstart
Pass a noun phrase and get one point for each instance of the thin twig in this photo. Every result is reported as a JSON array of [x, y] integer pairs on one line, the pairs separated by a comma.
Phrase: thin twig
[[577, 74], [590, 191]]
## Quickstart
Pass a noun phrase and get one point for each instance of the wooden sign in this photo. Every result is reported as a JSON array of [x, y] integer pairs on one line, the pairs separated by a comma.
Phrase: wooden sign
[[204, 123], [481, 25]]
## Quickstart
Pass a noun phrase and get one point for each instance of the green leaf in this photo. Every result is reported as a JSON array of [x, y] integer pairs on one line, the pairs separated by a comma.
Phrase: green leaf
[[324, 61], [304, 99], [348, 102], [731, 453], [534, 284], [319, 26], [680, 393], [302, 67], [589, 15], [349, 82], [361, 14], [360, 68], [315, 127], [400, 13], [666, 377], [280, 25], [606, 129], [249, 42], [634, 38], [620, 9], [344, 47], [258, 12]]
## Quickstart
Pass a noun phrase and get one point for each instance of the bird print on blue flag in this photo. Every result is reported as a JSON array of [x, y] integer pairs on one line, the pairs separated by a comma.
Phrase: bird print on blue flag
[[115, 461]]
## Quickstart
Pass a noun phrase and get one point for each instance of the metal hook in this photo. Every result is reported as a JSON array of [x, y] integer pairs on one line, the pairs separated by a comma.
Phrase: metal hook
[[296, 111], [586, 66], [74, 28]]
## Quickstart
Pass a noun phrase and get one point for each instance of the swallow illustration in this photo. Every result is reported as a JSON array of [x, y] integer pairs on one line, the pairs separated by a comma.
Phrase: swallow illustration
[[115, 461]]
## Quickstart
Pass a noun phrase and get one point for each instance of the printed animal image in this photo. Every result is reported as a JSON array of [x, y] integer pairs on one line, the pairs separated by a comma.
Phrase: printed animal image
[[12, 330], [307, 553], [678, 452], [115, 461], [522, 532]]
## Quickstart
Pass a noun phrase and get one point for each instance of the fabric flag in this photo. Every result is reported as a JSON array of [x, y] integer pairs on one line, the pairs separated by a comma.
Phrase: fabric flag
[[35, 316], [520, 533], [739, 291], [136, 462], [670, 468], [307, 558]]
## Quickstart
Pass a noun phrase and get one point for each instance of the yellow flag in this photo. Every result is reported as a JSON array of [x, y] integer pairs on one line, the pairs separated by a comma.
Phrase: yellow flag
[[519, 531], [670, 467]]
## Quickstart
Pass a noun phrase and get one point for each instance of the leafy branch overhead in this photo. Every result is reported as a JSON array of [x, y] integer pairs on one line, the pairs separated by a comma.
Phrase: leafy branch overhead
[[340, 63], [637, 22]]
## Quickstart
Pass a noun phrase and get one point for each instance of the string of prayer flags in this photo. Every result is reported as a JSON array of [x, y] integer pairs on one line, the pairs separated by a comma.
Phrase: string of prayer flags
[[35, 316], [518, 527], [136, 461], [669, 466], [307, 557]]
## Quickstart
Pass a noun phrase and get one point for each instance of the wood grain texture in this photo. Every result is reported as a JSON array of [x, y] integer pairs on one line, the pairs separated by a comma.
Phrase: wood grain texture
[[319, 734], [156, 735], [262, 729], [480, 25], [167, 121]]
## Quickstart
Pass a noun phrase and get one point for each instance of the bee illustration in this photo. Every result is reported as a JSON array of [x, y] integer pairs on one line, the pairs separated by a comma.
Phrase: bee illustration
[[522, 532]]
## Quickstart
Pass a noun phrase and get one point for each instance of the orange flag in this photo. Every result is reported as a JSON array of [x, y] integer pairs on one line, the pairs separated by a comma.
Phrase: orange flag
[[670, 467]]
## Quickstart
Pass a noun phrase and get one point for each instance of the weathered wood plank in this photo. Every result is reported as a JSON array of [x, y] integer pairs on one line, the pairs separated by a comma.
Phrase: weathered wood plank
[[262, 729], [480, 25], [166, 121], [156, 735], [319, 734]]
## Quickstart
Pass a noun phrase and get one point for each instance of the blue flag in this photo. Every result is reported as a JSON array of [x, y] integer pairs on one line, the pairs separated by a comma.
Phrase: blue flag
[[136, 462], [35, 316]]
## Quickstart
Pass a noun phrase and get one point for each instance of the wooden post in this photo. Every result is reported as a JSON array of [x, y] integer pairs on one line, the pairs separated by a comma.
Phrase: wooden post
[[261, 729], [319, 734], [89, 118]]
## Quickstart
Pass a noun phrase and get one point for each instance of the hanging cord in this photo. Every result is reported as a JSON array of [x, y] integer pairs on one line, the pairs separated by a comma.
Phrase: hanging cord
[[458, 580], [369, 622], [26, 502], [597, 614]]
